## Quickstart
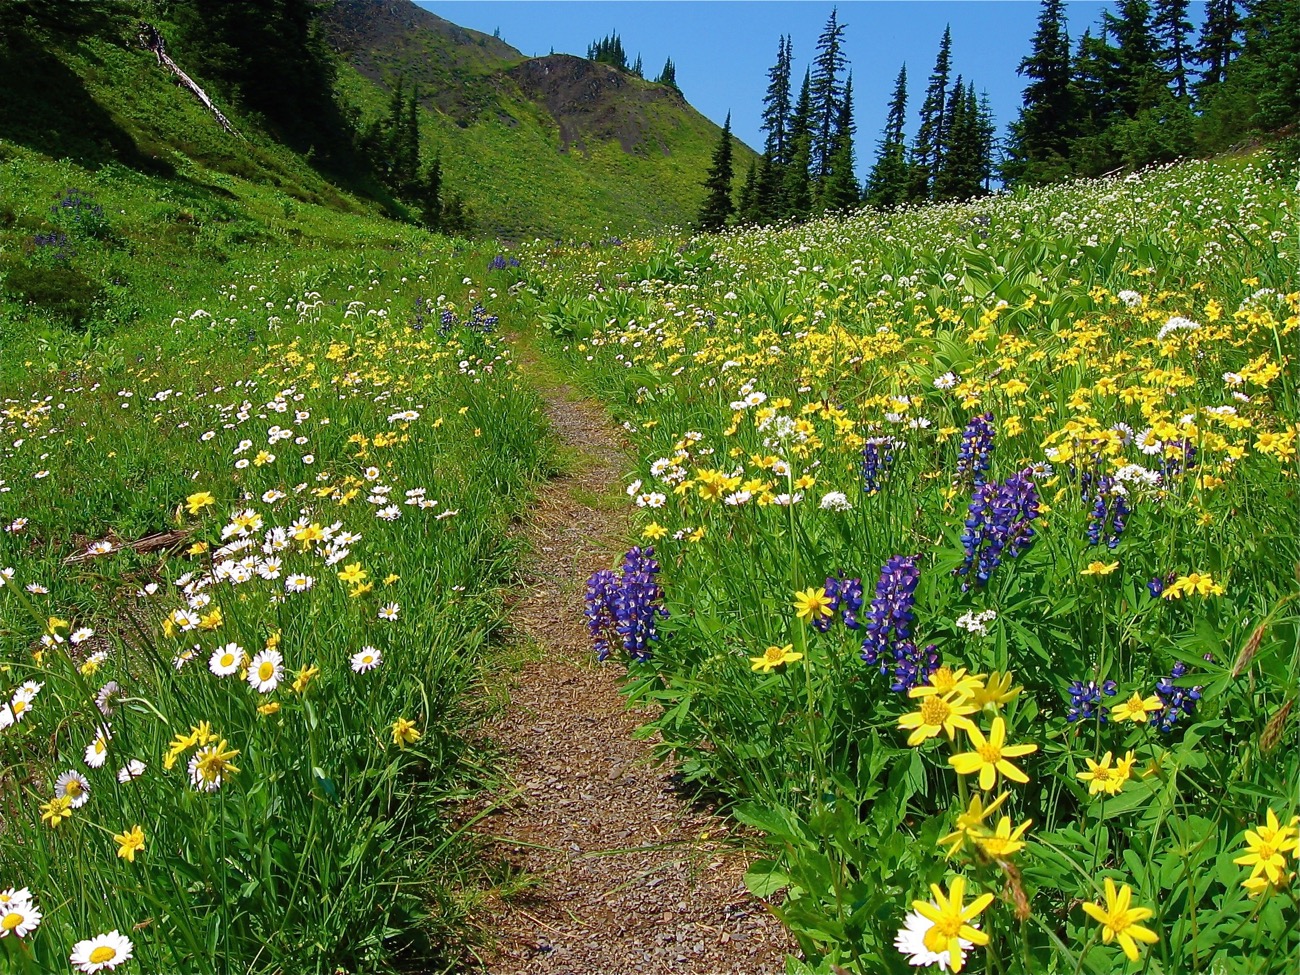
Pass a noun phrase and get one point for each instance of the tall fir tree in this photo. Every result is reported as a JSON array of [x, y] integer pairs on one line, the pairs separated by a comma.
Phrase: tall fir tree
[[927, 152], [988, 128], [827, 93], [747, 209], [959, 172], [839, 189], [776, 103], [1218, 44], [796, 187], [668, 76], [1172, 30], [1269, 65], [1136, 76], [717, 206], [888, 182], [1040, 135]]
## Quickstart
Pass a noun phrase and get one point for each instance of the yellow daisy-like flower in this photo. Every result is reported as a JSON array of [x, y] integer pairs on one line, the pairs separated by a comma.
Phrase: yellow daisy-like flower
[[1102, 777], [991, 755], [197, 502], [1267, 846], [1099, 569], [951, 920], [970, 823], [56, 811], [654, 531], [994, 691], [1119, 921], [129, 843], [405, 733], [945, 681], [353, 574], [1136, 708], [1003, 841], [934, 715], [812, 604], [304, 677], [774, 657]]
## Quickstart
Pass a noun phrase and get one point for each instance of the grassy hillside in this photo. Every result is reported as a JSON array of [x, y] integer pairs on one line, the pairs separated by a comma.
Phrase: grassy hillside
[[551, 146]]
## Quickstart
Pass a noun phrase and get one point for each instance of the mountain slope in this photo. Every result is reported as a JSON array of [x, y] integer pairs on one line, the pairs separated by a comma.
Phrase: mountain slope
[[550, 145]]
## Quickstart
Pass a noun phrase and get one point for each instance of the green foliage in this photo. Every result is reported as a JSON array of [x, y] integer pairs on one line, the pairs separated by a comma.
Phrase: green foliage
[[718, 207], [753, 443]]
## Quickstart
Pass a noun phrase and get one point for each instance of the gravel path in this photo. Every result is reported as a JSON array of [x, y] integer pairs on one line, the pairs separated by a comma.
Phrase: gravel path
[[627, 876]]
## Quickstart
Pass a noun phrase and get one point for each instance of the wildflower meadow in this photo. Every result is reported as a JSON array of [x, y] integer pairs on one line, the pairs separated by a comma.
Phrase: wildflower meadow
[[968, 564], [965, 574]]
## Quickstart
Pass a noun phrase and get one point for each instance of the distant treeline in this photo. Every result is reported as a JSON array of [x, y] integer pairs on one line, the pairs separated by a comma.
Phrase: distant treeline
[[1141, 88]]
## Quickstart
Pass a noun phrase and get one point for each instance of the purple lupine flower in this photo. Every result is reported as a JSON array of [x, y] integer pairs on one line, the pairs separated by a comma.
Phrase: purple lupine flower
[[846, 599], [599, 610], [888, 641], [998, 524], [447, 320], [877, 461], [913, 666], [1110, 509], [1179, 701], [975, 454], [624, 607], [1084, 699]]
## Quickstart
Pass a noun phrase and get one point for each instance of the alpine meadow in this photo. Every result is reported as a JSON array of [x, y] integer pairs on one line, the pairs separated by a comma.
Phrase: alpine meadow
[[467, 512]]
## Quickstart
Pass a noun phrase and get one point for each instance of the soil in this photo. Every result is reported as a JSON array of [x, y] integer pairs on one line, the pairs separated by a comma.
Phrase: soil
[[626, 875]]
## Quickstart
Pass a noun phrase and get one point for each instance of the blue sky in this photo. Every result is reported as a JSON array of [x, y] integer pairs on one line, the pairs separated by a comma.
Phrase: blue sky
[[722, 50]]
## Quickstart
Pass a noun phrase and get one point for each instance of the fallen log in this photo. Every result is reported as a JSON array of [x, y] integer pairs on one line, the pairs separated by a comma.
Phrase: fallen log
[[153, 41]]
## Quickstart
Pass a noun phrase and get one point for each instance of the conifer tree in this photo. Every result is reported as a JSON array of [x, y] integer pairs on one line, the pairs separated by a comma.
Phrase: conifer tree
[[608, 50], [1172, 28], [1269, 65], [1039, 136], [796, 188], [827, 93], [840, 190], [668, 76], [887, 185], [637, 68], [1218, 43], [717, 203], [747, 210], [988, 129], [927, 152], [776, 103]]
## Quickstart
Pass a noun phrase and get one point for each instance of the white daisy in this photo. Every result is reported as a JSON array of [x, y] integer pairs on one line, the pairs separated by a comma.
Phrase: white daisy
[[298, 583], [74, 786], [14, 895], [81, 635], [101, 952], [910, 940], [367, 658], [131, 770], [265, 671], [19, 918], [226, 660], [97, 751], [389, 612]]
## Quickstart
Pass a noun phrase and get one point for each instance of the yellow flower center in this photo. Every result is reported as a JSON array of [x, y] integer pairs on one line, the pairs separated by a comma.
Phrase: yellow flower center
[[943, 680], [946, 928], [990, 752], [11, 921], [102, 954], [227, 659], [1265, 851], [266, 671], [934, 710], [19, 707], [72, 788]]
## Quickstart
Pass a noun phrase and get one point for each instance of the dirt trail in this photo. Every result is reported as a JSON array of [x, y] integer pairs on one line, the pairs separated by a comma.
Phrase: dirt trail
[[629, 877]]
